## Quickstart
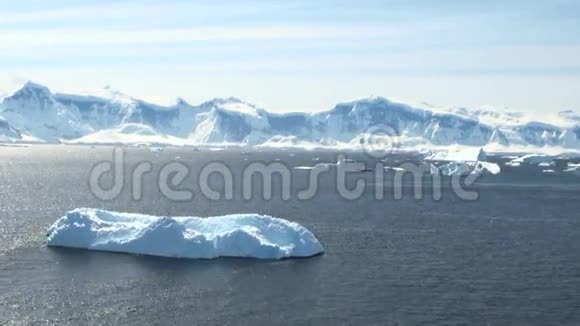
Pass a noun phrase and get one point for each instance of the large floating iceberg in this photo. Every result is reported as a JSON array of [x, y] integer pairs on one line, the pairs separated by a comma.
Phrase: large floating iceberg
[[239, 235]]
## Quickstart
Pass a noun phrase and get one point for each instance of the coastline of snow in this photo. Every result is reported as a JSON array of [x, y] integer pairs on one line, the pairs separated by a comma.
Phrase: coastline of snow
[[34, 113], [238, 235]]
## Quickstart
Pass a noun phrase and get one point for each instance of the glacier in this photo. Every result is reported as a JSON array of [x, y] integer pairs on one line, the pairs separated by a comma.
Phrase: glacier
[[34, 113], [238, 235]]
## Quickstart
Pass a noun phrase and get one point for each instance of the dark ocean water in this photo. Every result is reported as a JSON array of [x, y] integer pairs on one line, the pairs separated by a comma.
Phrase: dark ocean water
[[509, 257]]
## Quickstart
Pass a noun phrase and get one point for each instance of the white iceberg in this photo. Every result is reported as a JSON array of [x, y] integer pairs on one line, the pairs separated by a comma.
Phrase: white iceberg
[[462, 162], [239, 235]]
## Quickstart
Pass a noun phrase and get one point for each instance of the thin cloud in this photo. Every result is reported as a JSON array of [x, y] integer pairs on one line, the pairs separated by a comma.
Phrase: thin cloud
[[58, 37]]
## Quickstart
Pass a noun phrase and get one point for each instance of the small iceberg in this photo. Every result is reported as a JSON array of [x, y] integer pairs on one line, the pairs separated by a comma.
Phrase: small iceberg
[[546, 164], [467, 168], [461, 162], [238, 235]]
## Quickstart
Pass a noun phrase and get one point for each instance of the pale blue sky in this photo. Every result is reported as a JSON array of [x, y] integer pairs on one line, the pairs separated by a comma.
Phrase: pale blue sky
[[301, 55]]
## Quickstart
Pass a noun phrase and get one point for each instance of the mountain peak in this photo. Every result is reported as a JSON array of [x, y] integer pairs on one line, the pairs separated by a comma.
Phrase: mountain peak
[[35, 87], [181, 102], [32, 85], [32, 90], [232, 104]]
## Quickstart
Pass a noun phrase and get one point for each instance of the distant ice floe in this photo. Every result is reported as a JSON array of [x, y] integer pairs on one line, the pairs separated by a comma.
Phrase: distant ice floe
[[395, 168], [532, 159], [460, 162], [466, 168], [432, 169], [573, 168], [546, 164], [326, 166], [316, 166], [455, 168], [238, 235], [513, 164], [470, 154], [304, 167], [320, 165]]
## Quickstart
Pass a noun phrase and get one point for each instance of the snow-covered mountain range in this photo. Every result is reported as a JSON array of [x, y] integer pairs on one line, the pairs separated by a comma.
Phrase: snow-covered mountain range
[[35, 114]]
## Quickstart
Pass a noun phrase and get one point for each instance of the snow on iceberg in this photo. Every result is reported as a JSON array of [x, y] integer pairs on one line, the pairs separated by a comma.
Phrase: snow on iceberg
[[238, 235]]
